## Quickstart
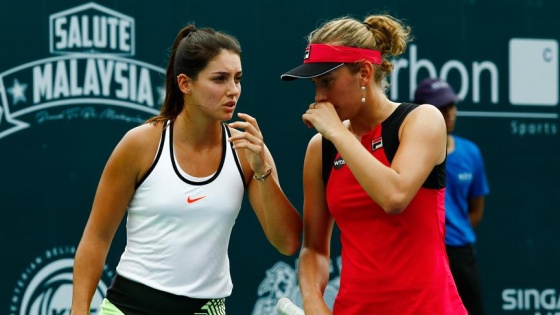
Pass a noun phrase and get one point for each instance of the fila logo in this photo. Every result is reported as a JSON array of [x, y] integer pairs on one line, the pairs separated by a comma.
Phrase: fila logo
[[376, 143], [339, 163], [189, 200], [307, 52]]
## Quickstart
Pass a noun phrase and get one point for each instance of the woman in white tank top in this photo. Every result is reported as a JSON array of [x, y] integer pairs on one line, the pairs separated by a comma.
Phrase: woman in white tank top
[[181, 178]]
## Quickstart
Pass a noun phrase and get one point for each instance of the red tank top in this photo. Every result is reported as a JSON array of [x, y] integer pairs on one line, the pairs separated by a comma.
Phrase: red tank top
[[391, 264]]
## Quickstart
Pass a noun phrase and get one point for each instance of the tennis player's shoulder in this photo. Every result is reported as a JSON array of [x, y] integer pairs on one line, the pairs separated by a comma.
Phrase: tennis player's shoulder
[[427, 110], [314, 147], [143, 139], [424, 116]]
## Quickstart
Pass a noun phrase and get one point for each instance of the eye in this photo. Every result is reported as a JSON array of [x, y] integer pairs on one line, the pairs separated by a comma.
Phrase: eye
[[238, 79], [323, 82]]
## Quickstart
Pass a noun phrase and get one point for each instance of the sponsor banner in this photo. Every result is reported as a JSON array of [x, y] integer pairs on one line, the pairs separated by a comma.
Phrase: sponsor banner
[[91, 75]]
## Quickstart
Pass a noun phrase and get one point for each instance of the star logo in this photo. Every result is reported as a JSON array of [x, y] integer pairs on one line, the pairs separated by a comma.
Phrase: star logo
[[18, 92]]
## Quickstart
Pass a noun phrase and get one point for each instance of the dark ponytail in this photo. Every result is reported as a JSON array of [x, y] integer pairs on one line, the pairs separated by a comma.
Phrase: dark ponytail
[[192, 50]]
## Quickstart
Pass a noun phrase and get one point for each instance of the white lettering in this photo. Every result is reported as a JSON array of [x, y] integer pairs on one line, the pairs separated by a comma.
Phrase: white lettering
[[477, 71], [105, 72], [120, 67], [455, 64], [132, 82], [510, 303], [86, 39], [124, 35], [548, 299], [42, 83], [100, 31], [521, 128], [112, 23], [75, 90], [416, 65], [107, 78], [61, 81], [60, 32], [531, 299], [96, 31], [74, 36], [145, 94], [91, 83]]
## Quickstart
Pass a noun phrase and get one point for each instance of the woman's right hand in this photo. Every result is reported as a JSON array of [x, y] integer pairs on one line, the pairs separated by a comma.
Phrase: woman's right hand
[[324, 118]]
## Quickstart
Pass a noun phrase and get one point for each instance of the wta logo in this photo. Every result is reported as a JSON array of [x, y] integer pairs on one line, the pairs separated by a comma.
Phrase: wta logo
[[45, 286]]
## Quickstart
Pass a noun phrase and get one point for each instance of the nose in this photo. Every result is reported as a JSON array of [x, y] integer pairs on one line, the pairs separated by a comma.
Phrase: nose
[[319, 96], [234, 88]]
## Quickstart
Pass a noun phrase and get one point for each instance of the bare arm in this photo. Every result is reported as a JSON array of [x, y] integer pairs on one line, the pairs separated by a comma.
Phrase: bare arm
[[314, 258], [476, 210], [422, 146], [279, 219], [115, 189]]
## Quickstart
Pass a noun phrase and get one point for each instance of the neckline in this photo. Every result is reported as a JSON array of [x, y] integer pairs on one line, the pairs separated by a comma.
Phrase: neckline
[[189, 178]]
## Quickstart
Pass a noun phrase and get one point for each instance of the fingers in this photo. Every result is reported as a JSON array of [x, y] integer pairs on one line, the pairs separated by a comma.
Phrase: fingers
[[250, 121], [251, 139], [307, 115], [306, 122], [242, 137], [243, 144]]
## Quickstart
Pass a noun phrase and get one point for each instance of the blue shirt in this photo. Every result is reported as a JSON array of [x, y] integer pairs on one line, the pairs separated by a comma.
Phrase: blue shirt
[[466, 178]]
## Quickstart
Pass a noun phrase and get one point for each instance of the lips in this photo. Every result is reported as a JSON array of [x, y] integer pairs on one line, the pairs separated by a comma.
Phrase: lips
[[230, 106]]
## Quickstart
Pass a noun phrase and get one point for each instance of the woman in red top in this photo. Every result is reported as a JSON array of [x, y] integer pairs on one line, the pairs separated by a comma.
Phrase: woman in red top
[[384, 184]]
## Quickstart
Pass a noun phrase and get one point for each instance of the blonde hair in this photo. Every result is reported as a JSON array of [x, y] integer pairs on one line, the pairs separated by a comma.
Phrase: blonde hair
[[379, 32]]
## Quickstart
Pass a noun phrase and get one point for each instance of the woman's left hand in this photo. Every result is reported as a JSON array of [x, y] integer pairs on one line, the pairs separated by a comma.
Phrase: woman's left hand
[[252, 140]]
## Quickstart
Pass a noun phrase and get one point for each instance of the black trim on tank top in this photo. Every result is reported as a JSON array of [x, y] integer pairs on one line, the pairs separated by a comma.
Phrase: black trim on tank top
[[236, 158], [176, 168], [390, 134], [158, 154], [328, 151]]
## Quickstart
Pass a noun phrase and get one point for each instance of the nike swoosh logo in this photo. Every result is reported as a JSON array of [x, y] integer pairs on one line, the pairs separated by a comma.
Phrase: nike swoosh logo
[[189, 200]]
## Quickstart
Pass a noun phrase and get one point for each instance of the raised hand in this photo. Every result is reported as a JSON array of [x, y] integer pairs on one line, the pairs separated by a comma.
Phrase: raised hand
[[324, 118], [250, 139]]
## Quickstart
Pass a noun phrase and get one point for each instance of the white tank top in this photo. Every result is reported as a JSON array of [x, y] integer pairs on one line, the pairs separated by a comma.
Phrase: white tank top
[[178, 226]]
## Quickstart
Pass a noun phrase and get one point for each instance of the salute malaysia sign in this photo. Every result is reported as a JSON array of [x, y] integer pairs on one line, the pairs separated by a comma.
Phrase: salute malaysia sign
[[90, 75]]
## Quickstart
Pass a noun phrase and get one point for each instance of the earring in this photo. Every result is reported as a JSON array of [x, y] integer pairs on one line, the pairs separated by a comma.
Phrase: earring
[[363, 94]]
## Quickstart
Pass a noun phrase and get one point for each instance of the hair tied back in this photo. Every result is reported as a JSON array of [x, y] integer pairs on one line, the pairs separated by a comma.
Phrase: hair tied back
[[189, 33]]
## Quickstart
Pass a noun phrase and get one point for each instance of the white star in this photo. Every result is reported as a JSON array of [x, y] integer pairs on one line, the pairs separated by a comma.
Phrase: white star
[[18, 92]]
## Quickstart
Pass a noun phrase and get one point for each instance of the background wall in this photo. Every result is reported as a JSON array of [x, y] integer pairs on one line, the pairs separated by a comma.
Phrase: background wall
[[63, 109]]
